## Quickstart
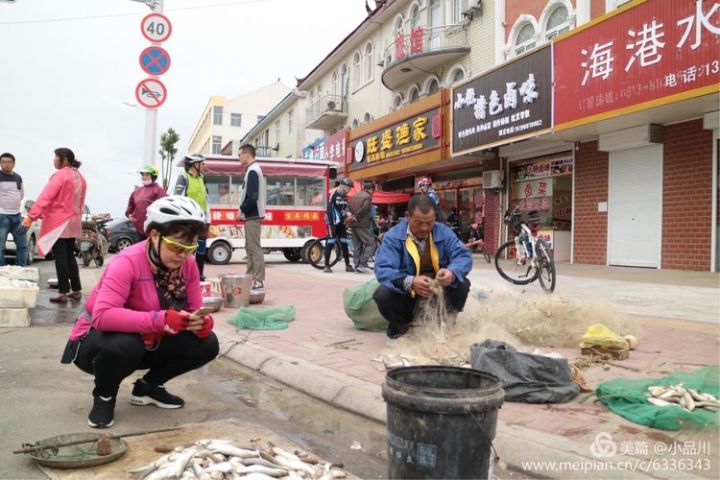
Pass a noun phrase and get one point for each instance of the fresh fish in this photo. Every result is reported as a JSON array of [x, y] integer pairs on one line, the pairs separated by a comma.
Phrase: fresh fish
[[254, 476], [271, 472], [183, 458], [231, 450], [295, 465], [224, 467], [259, 461], [279, 451]]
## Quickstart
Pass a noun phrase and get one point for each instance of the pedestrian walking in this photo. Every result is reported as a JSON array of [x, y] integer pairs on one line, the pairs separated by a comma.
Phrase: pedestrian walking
[[191, 183], [143, 196], [138, 315], [338, 213], [11, 195], [413, 254], [253, 194], [362, 227], [60, 205], [425, 186]]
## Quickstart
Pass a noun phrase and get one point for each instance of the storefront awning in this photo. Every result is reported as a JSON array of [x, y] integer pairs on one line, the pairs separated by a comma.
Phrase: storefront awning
[[382, 198]]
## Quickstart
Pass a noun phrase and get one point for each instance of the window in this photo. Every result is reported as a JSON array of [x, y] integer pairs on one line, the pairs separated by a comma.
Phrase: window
[[457, 11], [435, 21], [414, 16], [457, 75], [235, 119], [280, 190], [398, 25], [277, 131], [216, 144], [557, 23], [357, 73], [525, 39], [310, 192], [432, 86], [344, 80], [355, 123], [335, 90], [290, 121], [218, 187], [217, 115], [367, 118], [397, 101], [369, 61], [414, 94]]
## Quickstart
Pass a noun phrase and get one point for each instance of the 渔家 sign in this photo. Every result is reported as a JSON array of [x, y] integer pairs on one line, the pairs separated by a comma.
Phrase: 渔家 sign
[[653, 50], [511, 102], [401, 139]]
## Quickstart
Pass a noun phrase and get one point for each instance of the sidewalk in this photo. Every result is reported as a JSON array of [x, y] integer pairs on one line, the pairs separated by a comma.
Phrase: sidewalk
[[322, 355]]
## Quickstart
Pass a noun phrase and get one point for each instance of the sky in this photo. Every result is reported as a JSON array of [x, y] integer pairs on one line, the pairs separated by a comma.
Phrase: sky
[[65, 78]]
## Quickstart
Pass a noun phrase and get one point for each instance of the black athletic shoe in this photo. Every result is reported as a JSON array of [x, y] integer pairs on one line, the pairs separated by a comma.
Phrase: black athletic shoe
[[146, 394], [101, 415], [349, 268]]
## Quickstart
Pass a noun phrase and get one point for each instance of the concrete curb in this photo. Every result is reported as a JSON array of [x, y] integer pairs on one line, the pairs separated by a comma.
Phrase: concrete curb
[[518, 447]]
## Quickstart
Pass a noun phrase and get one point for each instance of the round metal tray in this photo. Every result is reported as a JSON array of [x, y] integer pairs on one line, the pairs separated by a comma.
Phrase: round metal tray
[[77, 456]]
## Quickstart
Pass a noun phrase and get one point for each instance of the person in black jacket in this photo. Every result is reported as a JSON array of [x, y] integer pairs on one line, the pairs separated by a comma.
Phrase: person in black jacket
[[337, 213]]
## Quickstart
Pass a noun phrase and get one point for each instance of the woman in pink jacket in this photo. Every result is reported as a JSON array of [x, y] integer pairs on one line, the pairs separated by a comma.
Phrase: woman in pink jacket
[[60, 205], [143, 196], [137, 316]]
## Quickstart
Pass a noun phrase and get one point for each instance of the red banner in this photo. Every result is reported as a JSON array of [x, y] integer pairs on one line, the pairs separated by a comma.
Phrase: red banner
[[645, 53], [335, 146]]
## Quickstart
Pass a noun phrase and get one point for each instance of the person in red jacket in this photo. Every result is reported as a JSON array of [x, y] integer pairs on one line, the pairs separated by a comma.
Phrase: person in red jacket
[[143, 196]]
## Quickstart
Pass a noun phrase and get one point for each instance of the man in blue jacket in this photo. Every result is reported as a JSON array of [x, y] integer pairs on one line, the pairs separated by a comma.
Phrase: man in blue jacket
[[412, 254]]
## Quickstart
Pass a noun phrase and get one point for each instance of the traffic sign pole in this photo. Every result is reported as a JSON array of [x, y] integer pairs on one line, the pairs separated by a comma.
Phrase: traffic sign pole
[[151, 116]]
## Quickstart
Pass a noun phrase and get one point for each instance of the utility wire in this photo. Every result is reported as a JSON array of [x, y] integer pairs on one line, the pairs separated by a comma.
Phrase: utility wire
[[113, 15]]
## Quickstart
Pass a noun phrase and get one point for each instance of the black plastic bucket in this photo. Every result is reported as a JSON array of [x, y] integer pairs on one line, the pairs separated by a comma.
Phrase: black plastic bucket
[[441, 422]]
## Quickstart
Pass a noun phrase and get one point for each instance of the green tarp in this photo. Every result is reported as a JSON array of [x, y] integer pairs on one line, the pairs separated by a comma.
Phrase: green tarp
[[271, 318], [628, 398]]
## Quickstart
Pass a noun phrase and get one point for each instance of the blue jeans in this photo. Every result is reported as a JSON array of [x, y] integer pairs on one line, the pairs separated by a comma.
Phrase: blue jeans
[[10, 224]]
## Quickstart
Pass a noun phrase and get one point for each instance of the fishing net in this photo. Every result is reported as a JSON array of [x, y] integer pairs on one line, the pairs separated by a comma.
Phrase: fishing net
[[628, 398], [271, 318]]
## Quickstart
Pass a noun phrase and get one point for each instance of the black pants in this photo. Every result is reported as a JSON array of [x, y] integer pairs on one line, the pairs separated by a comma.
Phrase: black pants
[[113, 356], [398, 308], [66, 265], [337, 233], [200, 255]]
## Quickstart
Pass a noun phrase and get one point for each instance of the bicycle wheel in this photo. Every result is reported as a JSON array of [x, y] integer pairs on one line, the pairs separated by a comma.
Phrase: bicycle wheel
[[316, 253], [509, 269], [546, 266]]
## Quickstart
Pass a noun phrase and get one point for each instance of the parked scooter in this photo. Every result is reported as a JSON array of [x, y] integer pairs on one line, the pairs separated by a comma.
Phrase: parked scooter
[[93, 245]]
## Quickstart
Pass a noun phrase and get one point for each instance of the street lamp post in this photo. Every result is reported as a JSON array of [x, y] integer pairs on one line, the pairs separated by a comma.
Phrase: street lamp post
[[151, 115]]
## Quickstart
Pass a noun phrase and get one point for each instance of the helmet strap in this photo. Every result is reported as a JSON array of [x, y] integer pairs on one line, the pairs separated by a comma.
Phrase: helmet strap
[[154, 255]]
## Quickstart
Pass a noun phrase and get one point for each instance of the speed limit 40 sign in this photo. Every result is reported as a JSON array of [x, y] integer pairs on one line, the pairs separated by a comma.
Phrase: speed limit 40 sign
[[156, 27]]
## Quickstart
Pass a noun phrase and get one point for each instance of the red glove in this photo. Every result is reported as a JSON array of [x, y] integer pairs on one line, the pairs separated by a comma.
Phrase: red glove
[[175, 321], [207, 327]]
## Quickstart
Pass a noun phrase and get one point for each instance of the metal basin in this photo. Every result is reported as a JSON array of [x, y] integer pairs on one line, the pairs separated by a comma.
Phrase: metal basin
[[216, 303]]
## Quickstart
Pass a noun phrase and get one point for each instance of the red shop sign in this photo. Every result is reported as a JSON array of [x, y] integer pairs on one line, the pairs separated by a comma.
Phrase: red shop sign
[[649, 54], [335, 146]]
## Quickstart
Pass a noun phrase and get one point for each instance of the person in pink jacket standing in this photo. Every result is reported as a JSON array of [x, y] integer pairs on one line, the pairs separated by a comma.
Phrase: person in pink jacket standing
[[60, 205], [144, 196], [138, 315]]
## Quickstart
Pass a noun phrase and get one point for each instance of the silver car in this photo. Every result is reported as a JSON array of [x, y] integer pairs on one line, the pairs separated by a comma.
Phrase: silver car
[[32, 235]]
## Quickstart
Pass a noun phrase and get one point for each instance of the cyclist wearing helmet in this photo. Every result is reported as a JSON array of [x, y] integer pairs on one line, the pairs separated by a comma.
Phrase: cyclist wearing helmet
[[425, 186], [137, 316], [337, 214], [192, 184], [143, 196]]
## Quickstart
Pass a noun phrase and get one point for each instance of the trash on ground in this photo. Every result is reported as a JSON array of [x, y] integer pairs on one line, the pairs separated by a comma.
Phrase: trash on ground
[[580, 381], [525, 377], [212, 459], [679, 395], [632, 341], [630, 399], [356, 446], [270, 318], [599, 340]]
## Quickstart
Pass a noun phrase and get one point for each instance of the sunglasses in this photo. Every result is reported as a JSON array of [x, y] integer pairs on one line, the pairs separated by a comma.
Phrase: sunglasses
[[177, 248]]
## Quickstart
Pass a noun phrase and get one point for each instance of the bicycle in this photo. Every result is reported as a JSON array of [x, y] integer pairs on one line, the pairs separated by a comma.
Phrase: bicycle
[[478, 246], [526, 258], [314, 252]]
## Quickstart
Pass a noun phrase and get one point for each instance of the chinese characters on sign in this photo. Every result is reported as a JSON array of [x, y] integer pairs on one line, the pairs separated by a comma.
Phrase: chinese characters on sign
[[515, 99], [653, 50], [298, 216], [409, 136], [335, 146]]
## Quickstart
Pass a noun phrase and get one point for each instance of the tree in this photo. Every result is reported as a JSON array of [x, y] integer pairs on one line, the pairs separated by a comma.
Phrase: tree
[[167, 153]]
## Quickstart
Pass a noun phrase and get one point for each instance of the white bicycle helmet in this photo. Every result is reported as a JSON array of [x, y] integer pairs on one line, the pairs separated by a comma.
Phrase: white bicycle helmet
[[174, 208]]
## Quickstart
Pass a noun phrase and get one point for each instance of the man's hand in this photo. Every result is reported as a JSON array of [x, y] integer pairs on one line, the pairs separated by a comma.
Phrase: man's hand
[[422, 286], [445, 277]]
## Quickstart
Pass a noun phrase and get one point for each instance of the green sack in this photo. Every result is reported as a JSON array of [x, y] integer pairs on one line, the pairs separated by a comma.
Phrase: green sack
[[627, 398], [271, 318], [362, 309]]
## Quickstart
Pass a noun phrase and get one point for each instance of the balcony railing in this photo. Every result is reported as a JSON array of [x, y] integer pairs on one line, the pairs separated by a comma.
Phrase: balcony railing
[[421, 50], [265, 151], [326, 111]]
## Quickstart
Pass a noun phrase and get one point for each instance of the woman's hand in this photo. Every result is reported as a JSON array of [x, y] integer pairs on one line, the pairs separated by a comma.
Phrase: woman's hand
[[176, 322], [207, 327], [195, 323]]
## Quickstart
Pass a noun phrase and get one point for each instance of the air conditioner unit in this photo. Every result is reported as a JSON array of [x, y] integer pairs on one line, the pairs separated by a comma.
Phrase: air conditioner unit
[[493, 179], [331, 105], [469, 7]]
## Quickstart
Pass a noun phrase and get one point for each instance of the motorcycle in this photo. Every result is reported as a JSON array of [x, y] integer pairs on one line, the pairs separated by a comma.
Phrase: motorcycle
[[93, 245]]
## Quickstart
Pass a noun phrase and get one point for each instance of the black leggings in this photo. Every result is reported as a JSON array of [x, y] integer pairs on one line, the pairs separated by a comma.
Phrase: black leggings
[[337, 233], [112, 356], [66, 265]]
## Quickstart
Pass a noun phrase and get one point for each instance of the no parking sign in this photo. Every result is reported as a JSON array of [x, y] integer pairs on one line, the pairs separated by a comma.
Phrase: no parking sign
[[154, 60]]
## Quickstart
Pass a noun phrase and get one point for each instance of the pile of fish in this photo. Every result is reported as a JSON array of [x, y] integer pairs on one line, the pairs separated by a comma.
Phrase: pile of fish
[[223, 460], [687, 398]]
